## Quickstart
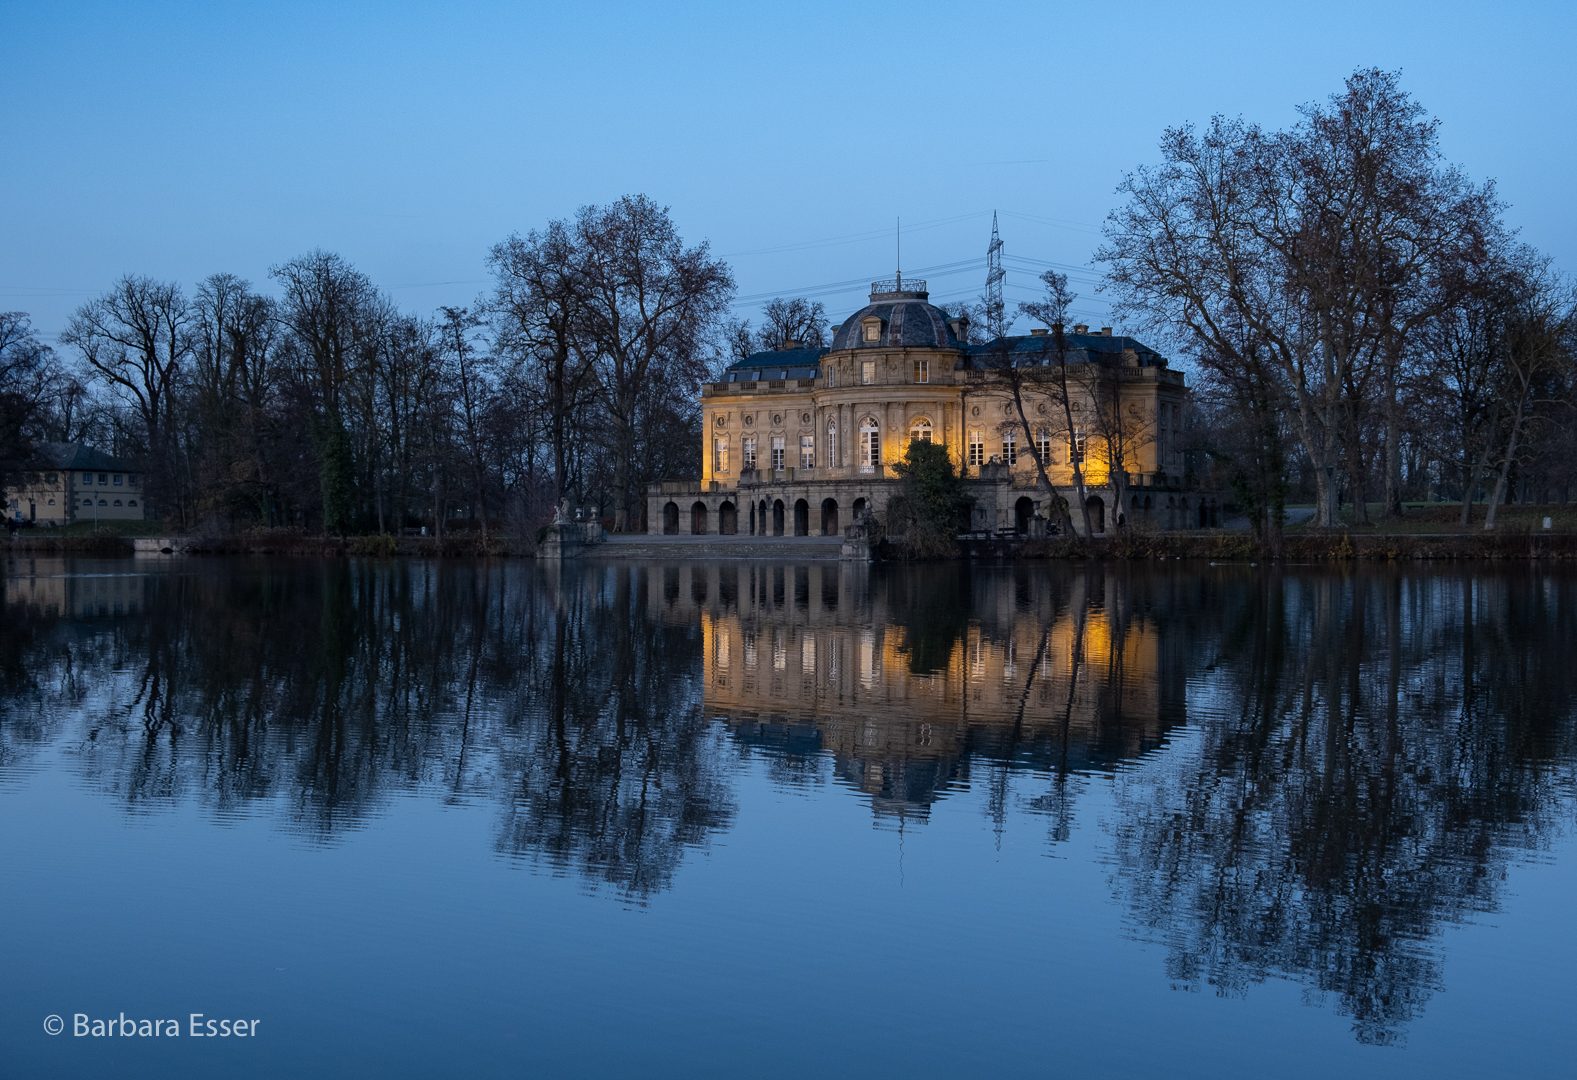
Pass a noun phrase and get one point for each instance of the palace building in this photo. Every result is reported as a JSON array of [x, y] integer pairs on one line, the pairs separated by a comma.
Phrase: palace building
[[801, 441]]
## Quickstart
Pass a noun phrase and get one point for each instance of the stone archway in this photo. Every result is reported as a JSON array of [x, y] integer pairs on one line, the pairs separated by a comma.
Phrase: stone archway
[[727, 519], [698, 519], [1023, 511], [829, 517], [801, 518], [671, 519], [777, 517], [1097, 507]]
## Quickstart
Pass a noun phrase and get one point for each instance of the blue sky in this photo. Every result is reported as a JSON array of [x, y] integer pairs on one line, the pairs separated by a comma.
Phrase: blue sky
[[178, 140]]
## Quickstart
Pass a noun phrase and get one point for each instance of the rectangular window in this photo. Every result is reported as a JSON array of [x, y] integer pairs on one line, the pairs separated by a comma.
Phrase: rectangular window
[[870, 448], [922, 371], [87, 478], [117, 479], [807, 451], [104, 478], [750, 453], [867, 372], [131, 478], [720, 456], [1010, 448], [1043, 446], [1076, 447], [777, 452], [977, 448], [832, 376]]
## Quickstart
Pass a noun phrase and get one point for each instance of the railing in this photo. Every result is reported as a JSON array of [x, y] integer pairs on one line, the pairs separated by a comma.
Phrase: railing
[[898, 284]]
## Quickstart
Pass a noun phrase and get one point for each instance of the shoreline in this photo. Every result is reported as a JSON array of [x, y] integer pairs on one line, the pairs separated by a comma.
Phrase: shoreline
[[1212, 546]]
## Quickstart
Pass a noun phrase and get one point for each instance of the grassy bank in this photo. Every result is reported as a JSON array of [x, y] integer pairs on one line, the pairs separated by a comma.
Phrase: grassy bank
[[1434, 518], [1309, 546]]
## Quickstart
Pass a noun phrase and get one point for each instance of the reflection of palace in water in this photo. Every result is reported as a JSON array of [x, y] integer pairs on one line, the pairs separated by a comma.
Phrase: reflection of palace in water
[[905, 684]]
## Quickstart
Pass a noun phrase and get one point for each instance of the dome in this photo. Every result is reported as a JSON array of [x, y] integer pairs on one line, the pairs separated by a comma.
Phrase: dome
[[906, 321]]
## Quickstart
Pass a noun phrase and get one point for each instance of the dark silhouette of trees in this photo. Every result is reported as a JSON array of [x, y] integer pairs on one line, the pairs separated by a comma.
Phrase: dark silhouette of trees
[[135, 339], [1320, 249]]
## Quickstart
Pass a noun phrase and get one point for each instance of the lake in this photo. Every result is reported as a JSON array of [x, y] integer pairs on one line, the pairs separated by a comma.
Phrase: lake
[[773, 820]]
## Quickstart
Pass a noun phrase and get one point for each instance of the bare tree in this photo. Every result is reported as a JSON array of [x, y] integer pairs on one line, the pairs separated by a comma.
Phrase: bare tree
[[134, 339], [470, 377], [28, 374], [1544, 315], [1309, 239], [652, 308], [1053, 311], [332, 310], [538, 313]]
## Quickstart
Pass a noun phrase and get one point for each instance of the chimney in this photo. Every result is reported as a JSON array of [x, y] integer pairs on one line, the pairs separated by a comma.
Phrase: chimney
[[1080, 328], [794, 343], [1106, 331], [1041, 332]]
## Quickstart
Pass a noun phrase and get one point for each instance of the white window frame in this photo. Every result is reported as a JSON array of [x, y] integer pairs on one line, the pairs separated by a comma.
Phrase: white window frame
[[807, 451], [720, 454], [977, 448], [1078, 447], [920, 430], [867, 372], [778, 449], [749, 453], [870, 445], [922, 371], [832, 445], [1043, 445], [1010, 447]]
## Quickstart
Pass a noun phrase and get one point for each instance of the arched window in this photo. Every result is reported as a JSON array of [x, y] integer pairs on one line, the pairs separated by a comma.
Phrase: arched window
[[920, 430], [870, 444]]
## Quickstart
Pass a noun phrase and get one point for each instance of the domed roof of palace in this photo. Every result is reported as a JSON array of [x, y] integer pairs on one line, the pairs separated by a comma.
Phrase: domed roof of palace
[[906, 320]]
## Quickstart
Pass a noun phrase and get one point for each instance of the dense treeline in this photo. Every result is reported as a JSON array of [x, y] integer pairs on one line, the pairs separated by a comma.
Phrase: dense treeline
[[1362, 320], [324, 406]]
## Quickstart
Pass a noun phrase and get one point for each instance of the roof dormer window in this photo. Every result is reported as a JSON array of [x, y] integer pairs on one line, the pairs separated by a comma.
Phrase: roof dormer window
[[870, 329]]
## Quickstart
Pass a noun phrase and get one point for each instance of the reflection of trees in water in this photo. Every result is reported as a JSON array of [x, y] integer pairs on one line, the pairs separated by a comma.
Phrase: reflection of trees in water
[[329, 686], [1369, 752], [1365, 753], [616, 770]]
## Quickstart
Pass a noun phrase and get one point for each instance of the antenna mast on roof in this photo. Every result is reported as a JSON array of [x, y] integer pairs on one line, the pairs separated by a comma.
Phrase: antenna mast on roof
[[900, 254], [995, 308]]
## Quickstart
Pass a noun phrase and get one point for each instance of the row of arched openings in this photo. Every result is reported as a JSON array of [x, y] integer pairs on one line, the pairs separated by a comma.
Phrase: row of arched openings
[[767, 518]]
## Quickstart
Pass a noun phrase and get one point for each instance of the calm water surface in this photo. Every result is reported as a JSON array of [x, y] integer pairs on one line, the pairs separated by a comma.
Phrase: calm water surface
[[425, 819]]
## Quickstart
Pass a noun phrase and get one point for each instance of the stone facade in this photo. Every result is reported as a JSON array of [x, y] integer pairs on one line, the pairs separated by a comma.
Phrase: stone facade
[[801, 441]]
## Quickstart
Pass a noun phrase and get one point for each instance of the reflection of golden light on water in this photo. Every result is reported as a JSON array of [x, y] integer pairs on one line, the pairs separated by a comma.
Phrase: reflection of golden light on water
[[1026, 674]]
